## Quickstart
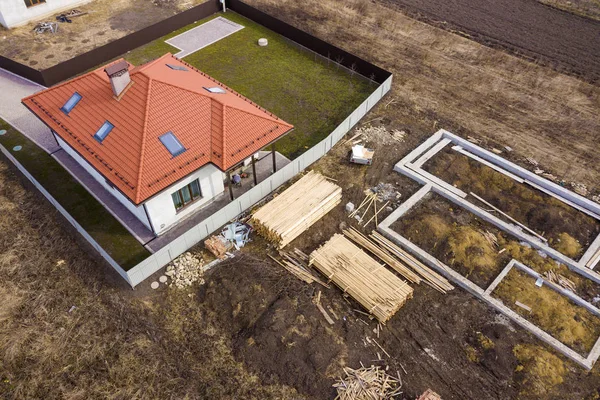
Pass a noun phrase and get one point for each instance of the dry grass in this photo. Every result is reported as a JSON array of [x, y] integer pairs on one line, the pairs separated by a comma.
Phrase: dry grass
[[470, 248], [468, 87], [542, 370], [554, 313], [110, 345]]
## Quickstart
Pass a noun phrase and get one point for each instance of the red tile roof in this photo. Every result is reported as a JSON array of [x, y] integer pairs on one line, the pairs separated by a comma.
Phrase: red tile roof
[[223, 129]]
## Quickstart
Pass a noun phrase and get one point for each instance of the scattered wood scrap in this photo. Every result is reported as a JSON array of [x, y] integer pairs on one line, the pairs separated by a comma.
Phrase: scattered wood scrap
[[367, 383], [317, 302], [377, 289], [560, 280], [299, 272], [431, 277], [292, 212]]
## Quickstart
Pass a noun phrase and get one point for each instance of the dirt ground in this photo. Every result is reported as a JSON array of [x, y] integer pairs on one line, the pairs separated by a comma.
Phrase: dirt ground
[[251, 331], [106, 21], [521, 27], [585, 8]]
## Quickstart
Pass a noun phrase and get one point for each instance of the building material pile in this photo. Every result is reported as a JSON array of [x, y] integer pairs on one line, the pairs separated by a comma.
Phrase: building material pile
[[298, 271], [566, 283], [234, 235], [292, 212], [367, 383], [431, 277], [185, 270], [430, 395], [376, 288]]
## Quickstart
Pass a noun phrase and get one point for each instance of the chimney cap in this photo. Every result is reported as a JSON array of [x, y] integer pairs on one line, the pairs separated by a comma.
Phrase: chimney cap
[[116, 68]]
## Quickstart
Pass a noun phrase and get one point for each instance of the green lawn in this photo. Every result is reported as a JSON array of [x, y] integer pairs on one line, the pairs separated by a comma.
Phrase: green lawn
[[306, 91], [91, 215]]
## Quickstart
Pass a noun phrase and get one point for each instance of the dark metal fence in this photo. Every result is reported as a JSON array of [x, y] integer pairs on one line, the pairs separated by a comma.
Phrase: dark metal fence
[[317, 45]]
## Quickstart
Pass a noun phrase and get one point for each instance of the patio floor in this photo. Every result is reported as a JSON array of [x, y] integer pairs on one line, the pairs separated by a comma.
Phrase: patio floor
[[264, 168]]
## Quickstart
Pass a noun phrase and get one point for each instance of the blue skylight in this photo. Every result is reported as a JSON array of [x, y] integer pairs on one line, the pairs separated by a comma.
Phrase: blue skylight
[[172, 143], [177, 67], [103, 131], [71, 103], [216, 89]]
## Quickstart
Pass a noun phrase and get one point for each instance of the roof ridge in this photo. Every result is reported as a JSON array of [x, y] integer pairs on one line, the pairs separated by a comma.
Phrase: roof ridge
[[143, 67], [143, 143]]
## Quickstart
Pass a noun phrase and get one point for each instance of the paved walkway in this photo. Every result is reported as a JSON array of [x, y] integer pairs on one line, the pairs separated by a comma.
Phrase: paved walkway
[[206, 34], [12, 89]]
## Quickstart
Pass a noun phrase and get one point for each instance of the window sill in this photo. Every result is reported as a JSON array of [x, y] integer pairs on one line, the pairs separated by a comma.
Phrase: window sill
[[182, 209]]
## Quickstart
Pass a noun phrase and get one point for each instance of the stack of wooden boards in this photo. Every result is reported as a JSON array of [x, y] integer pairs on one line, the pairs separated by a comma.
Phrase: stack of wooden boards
[[292, 212], [371, 284]]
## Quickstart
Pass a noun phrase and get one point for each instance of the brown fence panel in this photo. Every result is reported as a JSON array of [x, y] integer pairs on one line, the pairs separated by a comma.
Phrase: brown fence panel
[[100, 55], [21, 70], [317, 45]]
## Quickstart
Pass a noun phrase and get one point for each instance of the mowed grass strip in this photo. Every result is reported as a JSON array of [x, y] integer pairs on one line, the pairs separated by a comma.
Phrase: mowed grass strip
[[87, 211], [313, 94]]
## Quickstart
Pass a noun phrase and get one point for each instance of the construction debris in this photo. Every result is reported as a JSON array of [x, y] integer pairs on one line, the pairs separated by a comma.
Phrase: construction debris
[[579, 188], [377, 289], [317, 302], [292, 212], [218, 245], [299, 271], [367, 384], [44, 27], [361, 155], [185, 270], [560, 280], [234, 235], [430, 395]]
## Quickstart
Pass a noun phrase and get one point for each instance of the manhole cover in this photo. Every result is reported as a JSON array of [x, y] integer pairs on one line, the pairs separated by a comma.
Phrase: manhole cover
[[2, 132], [17, 148]]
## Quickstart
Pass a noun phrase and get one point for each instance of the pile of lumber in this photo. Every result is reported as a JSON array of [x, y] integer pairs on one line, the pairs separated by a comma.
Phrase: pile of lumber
[[367, 383], [292, 212], [382, 254], [431, 277], [370, 201], [376, 288]]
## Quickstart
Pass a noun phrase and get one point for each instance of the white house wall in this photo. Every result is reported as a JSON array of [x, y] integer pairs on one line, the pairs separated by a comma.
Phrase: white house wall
[[138, 211], [15, 12], [162, 210]]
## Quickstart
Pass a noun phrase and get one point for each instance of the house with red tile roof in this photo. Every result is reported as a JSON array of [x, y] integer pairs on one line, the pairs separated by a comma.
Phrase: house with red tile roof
[[159, 136]]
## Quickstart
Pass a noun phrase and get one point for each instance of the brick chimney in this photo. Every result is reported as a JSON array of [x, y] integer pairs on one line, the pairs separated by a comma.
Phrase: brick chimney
[[118, 74]]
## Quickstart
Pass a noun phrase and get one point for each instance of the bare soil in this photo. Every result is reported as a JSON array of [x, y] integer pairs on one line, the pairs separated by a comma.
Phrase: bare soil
[[524, 27], [585, 8], [252, 331], [544, 214], [106, 21]]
